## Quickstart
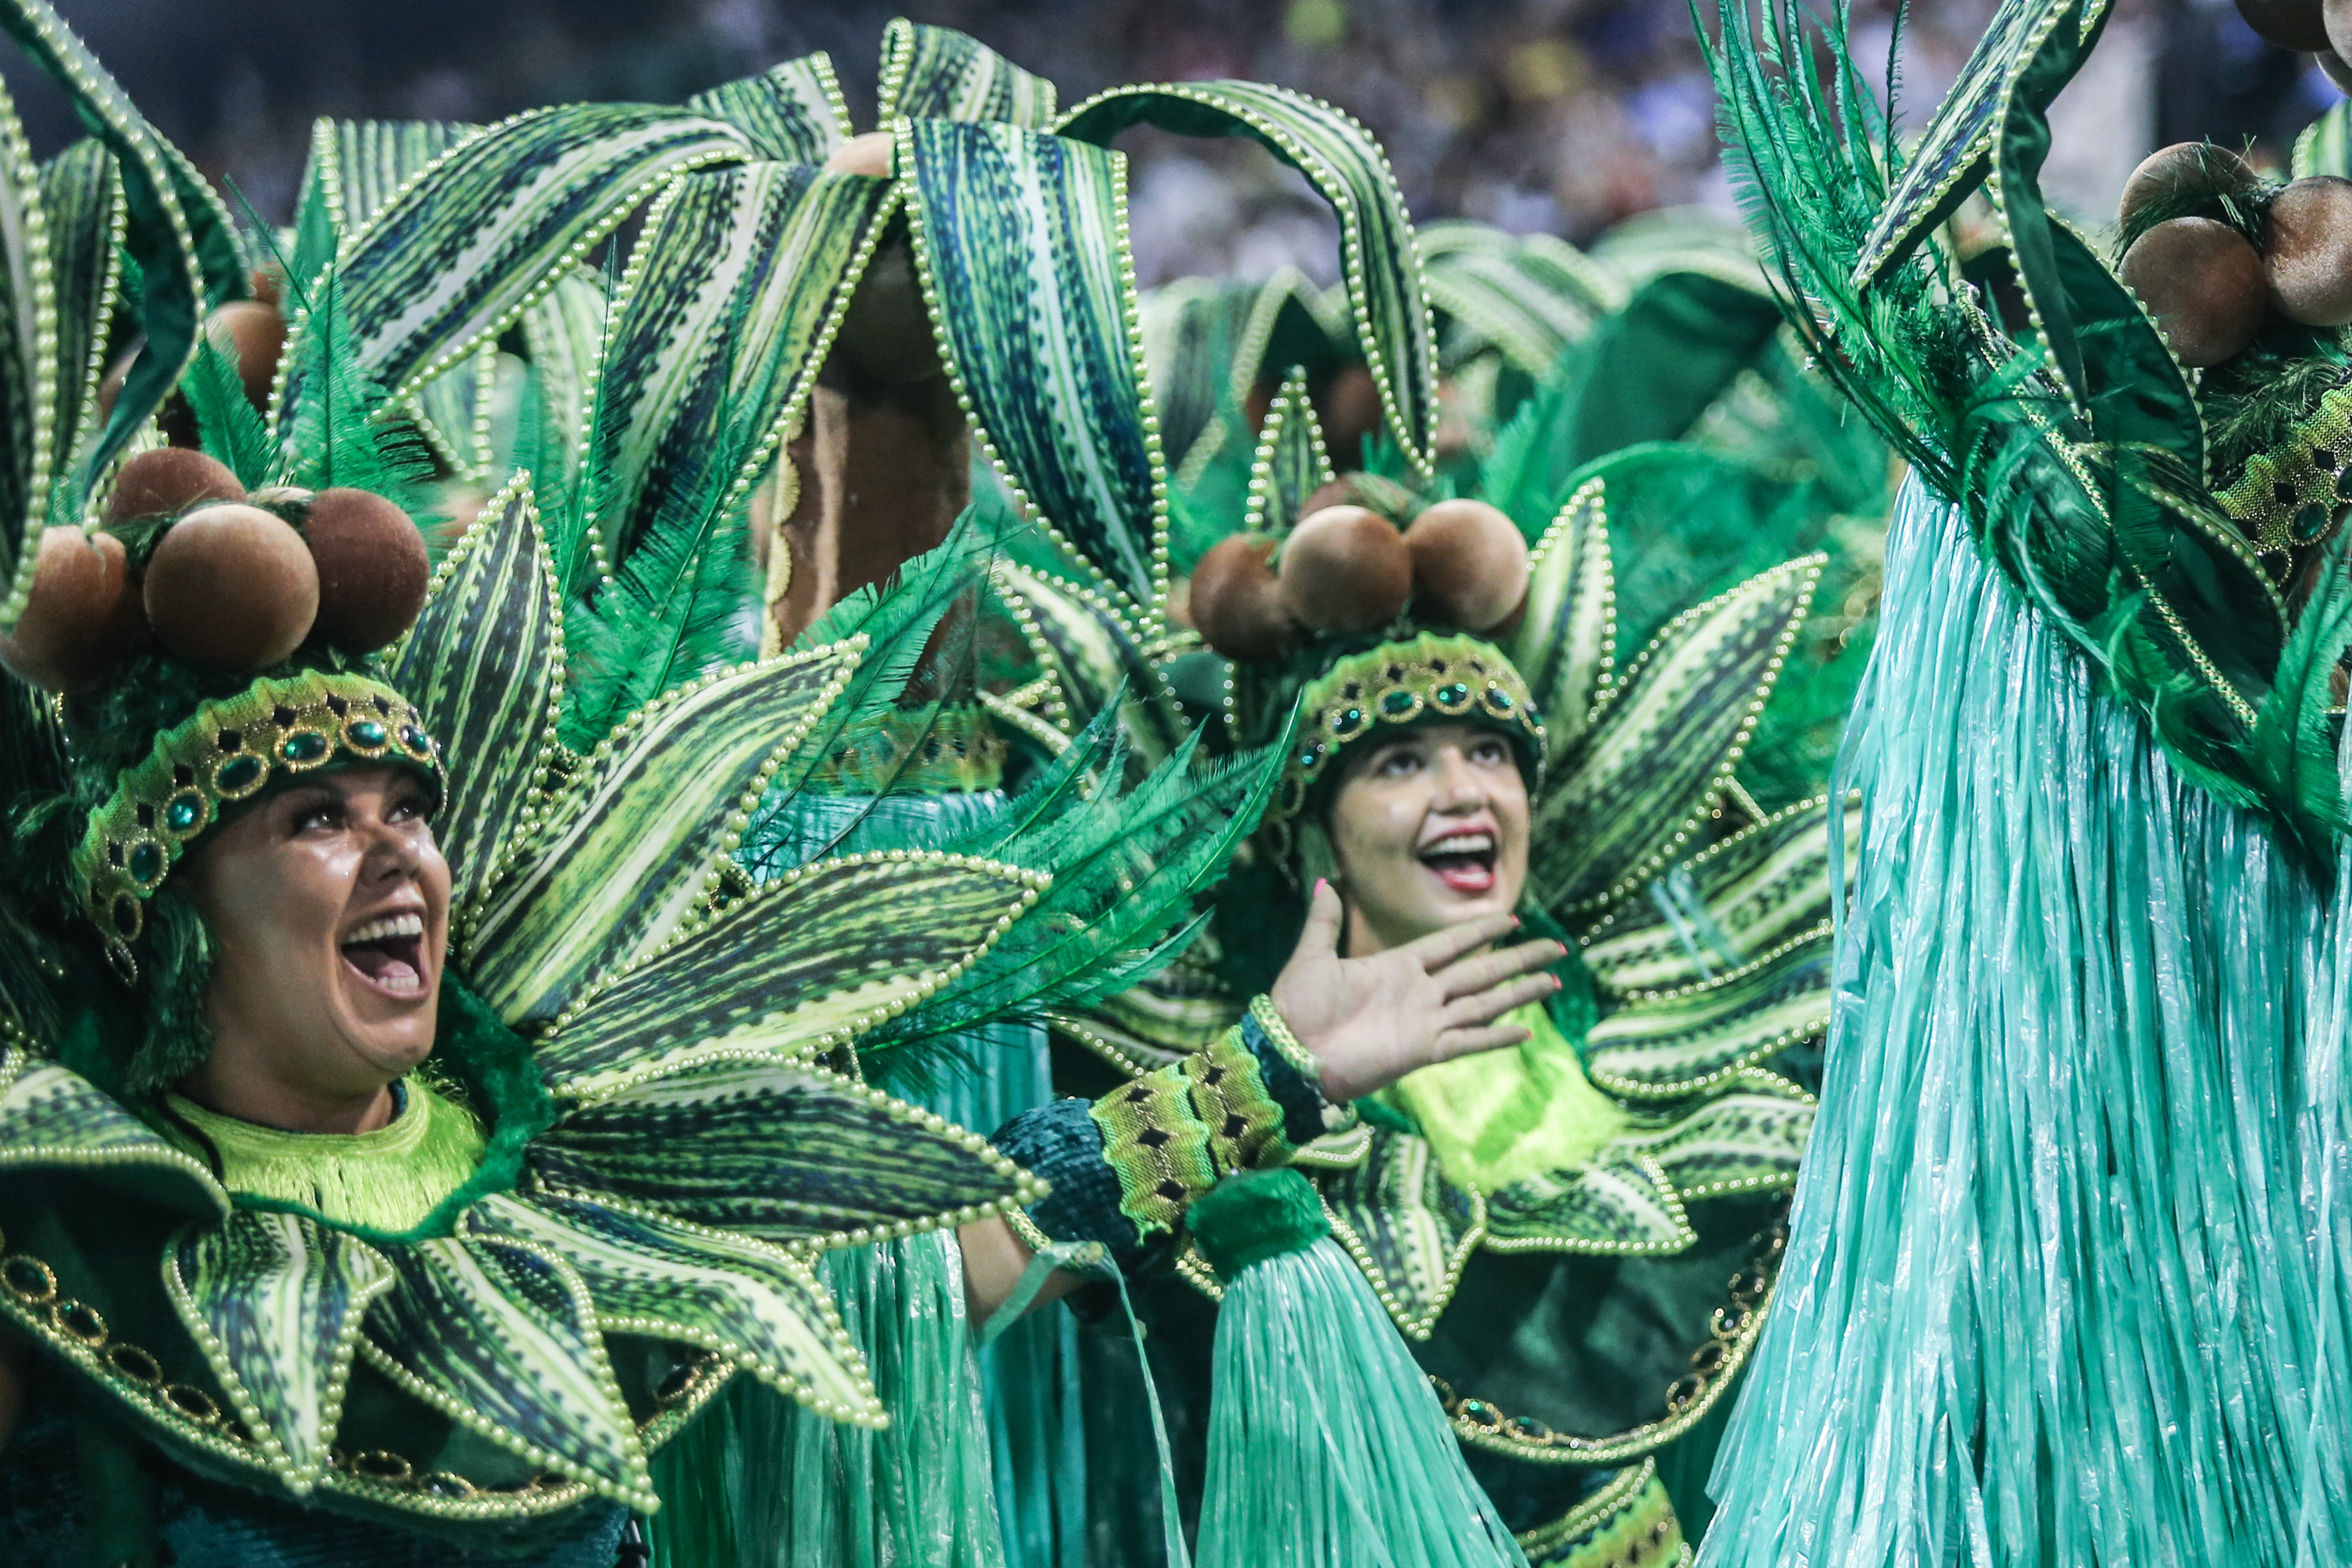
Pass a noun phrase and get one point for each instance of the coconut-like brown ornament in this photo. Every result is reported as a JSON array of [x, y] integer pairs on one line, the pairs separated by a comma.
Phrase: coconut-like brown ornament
[[167, 480], [2308, 254], [372, 570], [2298, 24], [886, 334], [232, 587], [1237, 604], [1345, 570], [2185, 171], [2203, 284], [83, 618], [253, 334], [1469, 565]]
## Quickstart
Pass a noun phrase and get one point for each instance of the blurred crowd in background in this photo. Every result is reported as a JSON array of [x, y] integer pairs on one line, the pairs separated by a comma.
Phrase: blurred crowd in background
[[1558, 116]]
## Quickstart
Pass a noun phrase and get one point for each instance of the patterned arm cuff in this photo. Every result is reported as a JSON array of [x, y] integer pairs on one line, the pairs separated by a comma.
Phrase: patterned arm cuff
[[1125, 1168], [1061, 1142]]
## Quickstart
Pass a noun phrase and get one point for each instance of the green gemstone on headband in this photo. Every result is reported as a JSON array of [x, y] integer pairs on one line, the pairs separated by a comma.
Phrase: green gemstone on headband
[[1311, 755], [185, 812], [1348, 722], [146, 862], [1498, 700], [304, 746], [1397, 703], [126, 915], [238, 774], [368, 734], [1452, 695], [415, 740]]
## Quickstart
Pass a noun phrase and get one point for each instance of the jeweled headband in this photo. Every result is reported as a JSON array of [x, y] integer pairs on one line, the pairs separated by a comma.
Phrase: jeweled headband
[[228, 751], [1431, 677]]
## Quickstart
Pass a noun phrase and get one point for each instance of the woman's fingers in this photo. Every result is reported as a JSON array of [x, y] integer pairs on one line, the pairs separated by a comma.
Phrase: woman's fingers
[[1452, 1043], [1485, 1006], [1466, 976], [1440, 948], [1321, 935]]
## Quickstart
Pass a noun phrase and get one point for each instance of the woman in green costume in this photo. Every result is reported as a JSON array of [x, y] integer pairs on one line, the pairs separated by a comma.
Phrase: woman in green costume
[[1577, 1234]]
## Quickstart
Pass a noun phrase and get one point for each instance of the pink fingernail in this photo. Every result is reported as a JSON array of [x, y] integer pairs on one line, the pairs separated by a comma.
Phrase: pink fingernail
[[1321, 883]]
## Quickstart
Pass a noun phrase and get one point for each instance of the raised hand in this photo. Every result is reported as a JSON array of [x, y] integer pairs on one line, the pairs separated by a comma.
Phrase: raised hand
[[1369, 1021]]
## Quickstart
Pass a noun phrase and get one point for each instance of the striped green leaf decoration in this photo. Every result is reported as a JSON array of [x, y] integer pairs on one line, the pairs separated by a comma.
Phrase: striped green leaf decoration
[[1290, 465], [357, 166], [717, 335], [759, 1306], [1737, 1143], [636, 840], [1733, 902], [448, 411], [1409, 1229], [501, 1337], [1664, 1044], [2325, 147], [1094, 654], [1020, 237], [274, 1300], [1663, 742], [52, 1118], [175, 228], [792, 113], [29, 358], [1528, 299], [938, 73], [807, 963], [1566, 639], [484, 665], [81, 201], [1341, 160], [1622, 1206], [455, 259], [787, 1152], [563, 331]]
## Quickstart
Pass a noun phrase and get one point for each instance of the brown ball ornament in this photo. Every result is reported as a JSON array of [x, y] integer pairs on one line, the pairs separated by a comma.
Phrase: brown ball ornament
[[2298, 24], [252, 334], [1345, 570], [2186, 170], [372, 570], [1469, 565], [83, 618], [2309, 255], [2203, 284], [1235, 603], [232, 587], [166, 481]]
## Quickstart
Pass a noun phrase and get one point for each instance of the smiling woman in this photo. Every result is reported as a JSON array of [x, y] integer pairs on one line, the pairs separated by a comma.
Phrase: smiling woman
[[327, 904]]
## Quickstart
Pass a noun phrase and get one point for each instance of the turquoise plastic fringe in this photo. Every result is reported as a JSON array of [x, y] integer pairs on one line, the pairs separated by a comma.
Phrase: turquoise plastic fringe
[[2066, 1281], [1327, 1446], [1016, 1458]]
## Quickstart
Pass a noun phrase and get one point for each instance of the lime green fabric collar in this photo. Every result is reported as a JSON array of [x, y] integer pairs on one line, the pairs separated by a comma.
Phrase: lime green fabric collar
[[388, 1180], [1504, 1115]]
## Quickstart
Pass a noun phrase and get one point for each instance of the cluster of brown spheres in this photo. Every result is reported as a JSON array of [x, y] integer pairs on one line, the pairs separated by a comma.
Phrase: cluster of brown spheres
[[1346, 570], [2208, 286], [235, 583], [2321, 28]]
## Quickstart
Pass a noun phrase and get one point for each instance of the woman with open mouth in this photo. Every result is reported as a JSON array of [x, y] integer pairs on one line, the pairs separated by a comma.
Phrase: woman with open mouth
[[1578, 1232]]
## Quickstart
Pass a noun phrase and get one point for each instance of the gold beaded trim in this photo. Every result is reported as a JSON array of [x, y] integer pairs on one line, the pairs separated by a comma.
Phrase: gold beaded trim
[[1430, 677], [1732, 1332], [226, 751]]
